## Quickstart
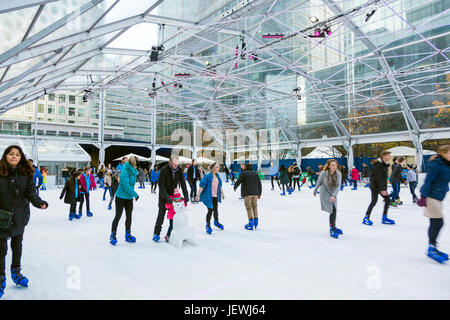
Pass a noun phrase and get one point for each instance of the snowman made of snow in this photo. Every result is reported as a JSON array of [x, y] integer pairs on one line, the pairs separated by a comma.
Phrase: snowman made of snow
[[182, 231]]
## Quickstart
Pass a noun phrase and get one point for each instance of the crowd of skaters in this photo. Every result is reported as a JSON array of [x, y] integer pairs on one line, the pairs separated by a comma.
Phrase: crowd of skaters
[[18, 188]]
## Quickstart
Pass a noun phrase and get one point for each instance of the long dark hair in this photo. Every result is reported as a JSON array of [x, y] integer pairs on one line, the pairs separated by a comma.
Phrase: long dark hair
[[24, 167], [331, 178], [71, 181]]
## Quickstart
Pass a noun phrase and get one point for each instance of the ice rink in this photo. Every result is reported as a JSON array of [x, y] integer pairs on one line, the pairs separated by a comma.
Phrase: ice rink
[[291, 256]]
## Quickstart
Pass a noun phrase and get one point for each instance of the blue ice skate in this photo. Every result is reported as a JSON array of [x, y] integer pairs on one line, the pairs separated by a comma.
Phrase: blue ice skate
[[367, 221], [89, 214], [333, 233], [386, 220], [434, 254], [18, 278], [218, 225], [155, 238], [72, 215], [338, 231], [129, 237], [109, 206], [282, 194], [79, 215], [249, 226], [113, 239], [255, 222], [208, 229], [2, 285], [290, 191]]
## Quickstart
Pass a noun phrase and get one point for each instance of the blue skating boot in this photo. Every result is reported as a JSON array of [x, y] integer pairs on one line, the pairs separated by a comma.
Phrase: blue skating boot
[[156, 238], [434, 254], [338, 231], [333, 233], [72, 215], [79, 215], [255, 222], [89, 214], [290, 191], [342, 187], [208, 229], [109, 206], [367, 221], [129, 237], [354, 188], [113, 239], [2, 285], [282, 194], [18, 278], [249, 226], [104, 199], [218, 225], [386, 220]]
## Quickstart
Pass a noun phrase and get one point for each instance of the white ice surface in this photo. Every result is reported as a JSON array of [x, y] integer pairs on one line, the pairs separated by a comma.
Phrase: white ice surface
[[291, 256]]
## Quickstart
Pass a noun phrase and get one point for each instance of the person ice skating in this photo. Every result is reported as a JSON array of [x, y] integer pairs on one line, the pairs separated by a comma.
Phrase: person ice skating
[[329, 182], [101, 175], [211, 194], [252, 190], [411, 179], [17, 191], [432, 194], [242, 168], [312, 177], [141, 177], [232, 178], [378, 186], [344, 172], [193, 175], [124, 200], [71, 194], [170, 176], [115, 180], [154, 176], [227, 174], [107, 183], [296, 176], [65, 173], [176, 197], [290, 173], [87, 183], [274, 175], [366, 174], [122, 163], [284, 179], [36, 176], [395, 179], [44, 173], [355, 178]]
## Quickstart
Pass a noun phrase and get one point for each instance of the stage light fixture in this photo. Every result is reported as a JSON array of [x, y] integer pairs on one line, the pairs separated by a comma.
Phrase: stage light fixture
[[313, 19], [369, 15]]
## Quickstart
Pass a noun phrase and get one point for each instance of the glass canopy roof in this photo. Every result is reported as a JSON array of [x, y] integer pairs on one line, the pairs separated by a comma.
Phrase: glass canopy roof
[[314, 68]]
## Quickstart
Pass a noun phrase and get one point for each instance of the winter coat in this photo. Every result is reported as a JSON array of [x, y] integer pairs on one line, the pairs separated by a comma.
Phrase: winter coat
[[71, 197], [437, 179], [169, 206], [16, 193], [366, 172], [114, 184], [101, 173], [396, 173], [355, 174], [251, 184], [167, 182], [65, 173], [154, 175], [206, 195], [284, 178], [37, 175], [296, 172], [141, 175], [327, 191], [190, 173], [411, 176], [84, 184], [274, 171], [127, 181], [108, 180], [378, 177]]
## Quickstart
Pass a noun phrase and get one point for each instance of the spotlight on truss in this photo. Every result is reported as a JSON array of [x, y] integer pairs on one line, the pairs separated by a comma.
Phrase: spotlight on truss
[[156, 53], [207, 63], [182, 75], [327, 30], [313, 19], [273, 36], [317, 34], [370, 14], [297, 93]]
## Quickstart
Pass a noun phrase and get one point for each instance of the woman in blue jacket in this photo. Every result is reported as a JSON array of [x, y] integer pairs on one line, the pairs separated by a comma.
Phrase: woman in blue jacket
[[154, 176], [433, 193], [211, 193], [124, 199]]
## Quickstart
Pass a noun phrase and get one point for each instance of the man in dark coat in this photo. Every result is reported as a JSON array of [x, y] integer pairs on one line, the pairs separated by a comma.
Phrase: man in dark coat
[[366, 174], [193, 174], [395, 179], [251, 190], [378, 186], [170, 177]]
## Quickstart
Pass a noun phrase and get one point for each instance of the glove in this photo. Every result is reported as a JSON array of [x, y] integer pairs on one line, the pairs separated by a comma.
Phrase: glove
[[136, 198], [422, 202], [169, 200]]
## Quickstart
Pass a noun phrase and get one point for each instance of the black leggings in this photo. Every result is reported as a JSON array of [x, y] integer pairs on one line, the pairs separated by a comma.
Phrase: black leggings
[[372, 204], [73, 208], [276, 178], [333, 217], [213, 210], [433, 231], [16, 247], [82, 197], [154, 185], [120, 205], [296, 181], [193, 186], [169, 231]]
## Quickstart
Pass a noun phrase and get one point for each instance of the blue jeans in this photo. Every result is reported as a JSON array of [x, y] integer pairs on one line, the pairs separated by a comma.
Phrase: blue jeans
[[412, 188], [102, 182], [395, 190]]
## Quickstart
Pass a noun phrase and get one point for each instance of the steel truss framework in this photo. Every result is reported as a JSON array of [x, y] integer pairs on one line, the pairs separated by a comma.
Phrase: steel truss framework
[[231, 91]]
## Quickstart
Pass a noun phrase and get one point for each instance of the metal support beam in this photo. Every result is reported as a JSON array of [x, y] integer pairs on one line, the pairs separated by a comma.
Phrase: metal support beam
[[154, 133], [8, 6], [101, 128]]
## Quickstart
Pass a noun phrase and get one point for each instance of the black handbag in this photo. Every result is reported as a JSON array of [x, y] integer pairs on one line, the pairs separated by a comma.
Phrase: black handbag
[[5, 219]]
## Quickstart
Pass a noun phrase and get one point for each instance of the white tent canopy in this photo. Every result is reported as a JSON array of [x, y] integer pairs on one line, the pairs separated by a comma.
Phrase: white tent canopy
[[160, 159], [323, 152], [140, 158], [203, 160], [407, 151], [184, 160]]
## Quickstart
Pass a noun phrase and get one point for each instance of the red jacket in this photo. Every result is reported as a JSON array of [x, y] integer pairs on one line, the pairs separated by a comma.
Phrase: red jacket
[[354, 174], [83, 182], [169, 206]]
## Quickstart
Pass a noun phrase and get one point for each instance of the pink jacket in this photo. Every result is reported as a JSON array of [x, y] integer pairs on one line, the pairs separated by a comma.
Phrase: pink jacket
[[83, 182], [169, 206], [354, 174]]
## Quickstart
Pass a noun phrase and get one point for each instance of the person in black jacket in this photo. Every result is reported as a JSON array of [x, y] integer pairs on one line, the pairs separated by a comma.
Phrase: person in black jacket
[[378, 185], [17, 190], [251, 190], [193, 174], [115, 179], [71, 194], [296, 176], [169, 177], [395, 179]]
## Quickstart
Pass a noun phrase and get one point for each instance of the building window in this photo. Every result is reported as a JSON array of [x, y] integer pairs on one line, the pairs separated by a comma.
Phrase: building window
[[87, 135], [75, 134], [40, 108], [50, 120], [81, 112], [29, 107], [61, 98], [61, 120], [71, 121], [50, 133], [51, 109], [72, 112], [63, 133], [80, 100], [62, 110], [51, 97], [71, 99]]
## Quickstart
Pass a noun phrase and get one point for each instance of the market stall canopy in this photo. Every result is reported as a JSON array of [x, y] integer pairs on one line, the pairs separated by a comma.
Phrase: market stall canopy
[[159, 159], [323, 152], [407, 151], [140, 158], [184, 160], [203, 160]]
